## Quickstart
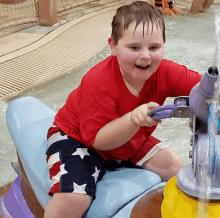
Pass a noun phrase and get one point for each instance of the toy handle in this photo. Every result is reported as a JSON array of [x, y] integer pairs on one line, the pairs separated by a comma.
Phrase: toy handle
[[161, 112], [179, 109]]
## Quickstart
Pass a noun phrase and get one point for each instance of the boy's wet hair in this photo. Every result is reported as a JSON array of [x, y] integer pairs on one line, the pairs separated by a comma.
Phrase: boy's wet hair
[[139, 12]]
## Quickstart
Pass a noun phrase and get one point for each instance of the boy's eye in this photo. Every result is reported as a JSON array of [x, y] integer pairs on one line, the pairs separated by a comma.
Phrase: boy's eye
[[135, 48], [153, 48]]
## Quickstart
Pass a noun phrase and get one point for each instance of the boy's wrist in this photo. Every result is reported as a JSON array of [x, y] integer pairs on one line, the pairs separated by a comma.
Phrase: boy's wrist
[[133, 122]]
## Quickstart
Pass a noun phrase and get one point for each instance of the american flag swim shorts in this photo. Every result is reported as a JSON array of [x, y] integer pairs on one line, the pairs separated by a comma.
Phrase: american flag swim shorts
[[72, 166]]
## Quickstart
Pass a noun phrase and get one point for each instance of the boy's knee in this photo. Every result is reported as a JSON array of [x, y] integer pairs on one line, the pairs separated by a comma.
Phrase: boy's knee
[[72, 205], [177, 166], [173, 162], [176, 163], [177, 160]]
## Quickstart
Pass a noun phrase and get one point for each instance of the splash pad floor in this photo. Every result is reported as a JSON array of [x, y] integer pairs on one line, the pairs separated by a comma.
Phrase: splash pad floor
[[39, 54]]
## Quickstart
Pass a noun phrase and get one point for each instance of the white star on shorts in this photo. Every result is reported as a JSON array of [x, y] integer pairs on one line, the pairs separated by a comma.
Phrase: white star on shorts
[[79, 188], [56, 179], [81, 152], [96, 174]]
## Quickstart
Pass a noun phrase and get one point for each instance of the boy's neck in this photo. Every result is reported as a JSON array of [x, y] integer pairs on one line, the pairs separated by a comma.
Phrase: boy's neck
[[134, 87]]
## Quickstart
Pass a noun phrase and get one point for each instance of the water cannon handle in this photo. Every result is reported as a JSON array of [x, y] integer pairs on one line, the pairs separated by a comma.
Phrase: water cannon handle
[[179, 109], [161, 112]]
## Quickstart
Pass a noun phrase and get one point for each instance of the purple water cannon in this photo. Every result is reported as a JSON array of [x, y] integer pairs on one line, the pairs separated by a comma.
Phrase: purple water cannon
[[202, 178], [200, 107], [203, 93]]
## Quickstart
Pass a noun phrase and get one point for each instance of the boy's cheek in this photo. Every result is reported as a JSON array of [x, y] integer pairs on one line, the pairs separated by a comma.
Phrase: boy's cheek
[[158, 56], [128, 56], [160, 53]]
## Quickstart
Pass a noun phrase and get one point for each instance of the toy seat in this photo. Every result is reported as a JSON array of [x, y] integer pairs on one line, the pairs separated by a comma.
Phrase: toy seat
[[28, 120]]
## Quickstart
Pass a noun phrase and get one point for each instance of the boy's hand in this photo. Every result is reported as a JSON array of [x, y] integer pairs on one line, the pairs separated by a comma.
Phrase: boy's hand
[[139, 116]]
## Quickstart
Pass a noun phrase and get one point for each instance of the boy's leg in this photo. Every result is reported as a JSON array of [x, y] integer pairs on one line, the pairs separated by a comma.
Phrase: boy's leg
[[67, 205], [159, 158], [165, 162]]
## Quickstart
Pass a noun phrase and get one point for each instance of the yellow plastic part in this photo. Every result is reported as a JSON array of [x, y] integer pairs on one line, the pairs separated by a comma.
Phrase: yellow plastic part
[[180, 205]]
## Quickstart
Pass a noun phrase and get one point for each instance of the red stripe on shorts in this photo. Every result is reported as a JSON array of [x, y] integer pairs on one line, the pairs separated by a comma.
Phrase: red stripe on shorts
[[54, 170], [52, 130], [54, 189]]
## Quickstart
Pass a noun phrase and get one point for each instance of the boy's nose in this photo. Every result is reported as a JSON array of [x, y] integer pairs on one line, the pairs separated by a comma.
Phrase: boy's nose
[[145, 54]]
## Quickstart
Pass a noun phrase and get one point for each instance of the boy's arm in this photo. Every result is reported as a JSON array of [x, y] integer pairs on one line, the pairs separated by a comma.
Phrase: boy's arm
[[121, 130], [115, 133]]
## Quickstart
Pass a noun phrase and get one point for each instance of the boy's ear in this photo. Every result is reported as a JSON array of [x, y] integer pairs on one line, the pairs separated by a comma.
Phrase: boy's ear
[[112, 46]]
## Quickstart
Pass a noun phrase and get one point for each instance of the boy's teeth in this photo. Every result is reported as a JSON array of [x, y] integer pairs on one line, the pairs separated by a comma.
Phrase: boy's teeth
[[142, 67]]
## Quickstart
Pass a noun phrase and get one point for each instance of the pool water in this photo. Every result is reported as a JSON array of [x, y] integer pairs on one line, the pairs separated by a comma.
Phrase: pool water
[[190, 40]]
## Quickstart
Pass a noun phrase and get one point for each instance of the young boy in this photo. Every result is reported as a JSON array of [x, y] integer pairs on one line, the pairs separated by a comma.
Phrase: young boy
[[106, 117]]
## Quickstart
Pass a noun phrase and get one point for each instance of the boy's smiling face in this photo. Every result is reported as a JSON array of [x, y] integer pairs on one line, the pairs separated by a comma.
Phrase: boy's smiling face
[[139, 53]]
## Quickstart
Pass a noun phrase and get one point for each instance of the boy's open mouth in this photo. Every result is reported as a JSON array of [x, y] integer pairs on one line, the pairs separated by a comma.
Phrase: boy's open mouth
[[142, 67]]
